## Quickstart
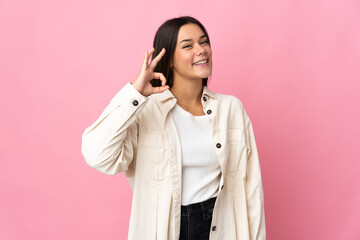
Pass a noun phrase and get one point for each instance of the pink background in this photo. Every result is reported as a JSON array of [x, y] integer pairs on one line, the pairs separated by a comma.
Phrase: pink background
[[294, 65]]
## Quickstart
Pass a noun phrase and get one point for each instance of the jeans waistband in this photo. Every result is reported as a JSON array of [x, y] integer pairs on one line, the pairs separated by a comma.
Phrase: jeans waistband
[[199, 205]]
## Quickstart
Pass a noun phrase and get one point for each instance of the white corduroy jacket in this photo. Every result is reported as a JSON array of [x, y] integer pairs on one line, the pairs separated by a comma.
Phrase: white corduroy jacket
[[136, 134]]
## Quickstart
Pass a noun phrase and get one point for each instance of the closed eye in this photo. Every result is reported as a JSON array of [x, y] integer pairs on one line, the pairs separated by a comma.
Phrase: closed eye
[[201, 43]]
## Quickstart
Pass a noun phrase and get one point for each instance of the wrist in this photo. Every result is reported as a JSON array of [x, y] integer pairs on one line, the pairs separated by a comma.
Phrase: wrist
[[134, 84]]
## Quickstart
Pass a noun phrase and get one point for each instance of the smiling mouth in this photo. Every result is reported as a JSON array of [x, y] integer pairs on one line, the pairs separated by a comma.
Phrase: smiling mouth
[[201, 62]]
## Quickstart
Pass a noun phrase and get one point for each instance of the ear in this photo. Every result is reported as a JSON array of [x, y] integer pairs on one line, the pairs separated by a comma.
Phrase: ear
[[171, 64]]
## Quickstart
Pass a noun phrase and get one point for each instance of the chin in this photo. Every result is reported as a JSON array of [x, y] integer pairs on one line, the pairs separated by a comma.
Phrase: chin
[[205, 75]]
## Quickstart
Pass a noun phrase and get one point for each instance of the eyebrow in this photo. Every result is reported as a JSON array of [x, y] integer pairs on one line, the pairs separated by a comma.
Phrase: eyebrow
[[187, 40]]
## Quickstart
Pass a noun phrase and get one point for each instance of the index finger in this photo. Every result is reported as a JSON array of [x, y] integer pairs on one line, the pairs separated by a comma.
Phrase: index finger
[[156, 60]]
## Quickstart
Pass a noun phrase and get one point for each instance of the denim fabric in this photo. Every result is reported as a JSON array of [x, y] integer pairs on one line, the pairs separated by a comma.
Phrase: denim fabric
[[196, 220]]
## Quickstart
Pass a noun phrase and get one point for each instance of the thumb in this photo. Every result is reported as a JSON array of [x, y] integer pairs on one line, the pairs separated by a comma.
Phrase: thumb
[[160, 89]]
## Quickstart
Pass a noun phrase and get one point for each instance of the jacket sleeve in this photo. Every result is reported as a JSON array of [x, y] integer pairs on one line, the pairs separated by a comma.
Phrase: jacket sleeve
[[253, 185], [110, 143]]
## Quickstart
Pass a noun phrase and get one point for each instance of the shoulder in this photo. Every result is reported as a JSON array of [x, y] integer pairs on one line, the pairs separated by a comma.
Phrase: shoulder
[[229, 100], [232, 107]]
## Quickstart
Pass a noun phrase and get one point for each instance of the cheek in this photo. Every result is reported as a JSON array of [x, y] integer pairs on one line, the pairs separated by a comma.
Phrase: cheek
[[210, 52], [183, 60]]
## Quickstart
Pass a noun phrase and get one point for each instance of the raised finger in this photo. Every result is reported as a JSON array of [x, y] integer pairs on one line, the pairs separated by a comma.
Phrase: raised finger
[[145, 60], [156, 60], [150, 52]]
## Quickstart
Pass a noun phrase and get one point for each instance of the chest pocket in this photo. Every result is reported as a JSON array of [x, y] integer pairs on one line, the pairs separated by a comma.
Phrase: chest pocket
[[237, 151], [150, 160]]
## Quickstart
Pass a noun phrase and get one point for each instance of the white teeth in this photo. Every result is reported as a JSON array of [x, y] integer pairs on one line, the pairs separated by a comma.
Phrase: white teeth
[[202, 62]]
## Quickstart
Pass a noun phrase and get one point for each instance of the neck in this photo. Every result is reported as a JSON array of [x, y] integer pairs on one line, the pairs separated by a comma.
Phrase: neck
[[187, 92]]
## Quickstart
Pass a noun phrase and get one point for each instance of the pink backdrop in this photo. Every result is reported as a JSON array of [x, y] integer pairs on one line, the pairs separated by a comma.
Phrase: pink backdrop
[[294, 64]]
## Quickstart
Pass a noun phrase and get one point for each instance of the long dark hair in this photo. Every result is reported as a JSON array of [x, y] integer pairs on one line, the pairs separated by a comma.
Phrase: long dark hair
[[166, 37]]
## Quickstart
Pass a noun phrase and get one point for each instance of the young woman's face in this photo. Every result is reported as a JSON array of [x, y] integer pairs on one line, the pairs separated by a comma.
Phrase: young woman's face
[[192, 46]]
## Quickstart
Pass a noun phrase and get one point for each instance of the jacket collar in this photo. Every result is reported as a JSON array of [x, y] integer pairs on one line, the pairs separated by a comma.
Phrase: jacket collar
[[167, 94]]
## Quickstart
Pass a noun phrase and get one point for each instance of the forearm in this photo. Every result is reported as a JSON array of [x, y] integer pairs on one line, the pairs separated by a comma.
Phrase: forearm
[[107, 145]]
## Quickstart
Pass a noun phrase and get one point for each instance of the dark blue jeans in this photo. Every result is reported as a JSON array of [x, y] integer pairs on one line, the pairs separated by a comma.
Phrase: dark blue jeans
[[196, 220]]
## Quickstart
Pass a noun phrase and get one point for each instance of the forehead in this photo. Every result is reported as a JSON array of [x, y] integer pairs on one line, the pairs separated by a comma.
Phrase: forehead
[[190, 31]]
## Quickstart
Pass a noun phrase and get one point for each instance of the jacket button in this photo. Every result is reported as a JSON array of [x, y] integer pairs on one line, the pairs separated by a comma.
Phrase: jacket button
[[222, 187], [135, 102], [208, 111], [214, 228], [218, 145], [204, 98]]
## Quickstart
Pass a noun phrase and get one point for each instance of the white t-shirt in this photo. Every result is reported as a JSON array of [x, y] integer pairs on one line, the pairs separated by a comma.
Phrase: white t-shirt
[[200, 166]]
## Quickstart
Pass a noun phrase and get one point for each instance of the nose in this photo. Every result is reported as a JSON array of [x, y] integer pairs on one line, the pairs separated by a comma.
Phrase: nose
[[200, 50]]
